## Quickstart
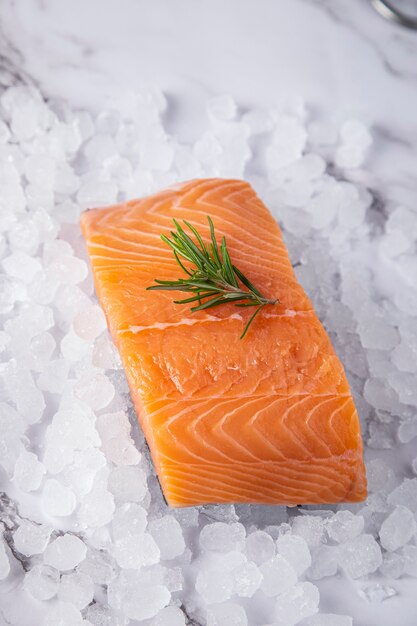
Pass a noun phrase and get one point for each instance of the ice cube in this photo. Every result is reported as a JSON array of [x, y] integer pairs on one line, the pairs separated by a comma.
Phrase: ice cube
[[296, 603], [99, 565], [129, 519], [167, 534], [4, 561], [226, 614], [57, 499], [295, 550], [288, 143], [54, 376], [377, 334], [96, 508], [99, 148], [117, 444], [76, 588], [24, 236], [68, 270], [42, 582], [324, 563], [42, 347], [40, 170], [101, 615], [222, 537], [310, 528], [329, 619], [380, 395], [410, 560], [360, 556], [127, 484], [378, 474], [214, 585], [95, 390], [397, 529], [105, 354], [278, 576], [376, 592], [9, 293], [260, 547], [344, 525], [392, 565], [89, 323], [136, 550], [139, 599], [22, 266], [170, 616], [65, 552], [30, 538], [63, 614], [405, 494], [28, 471], [247, 579], [97, 192]]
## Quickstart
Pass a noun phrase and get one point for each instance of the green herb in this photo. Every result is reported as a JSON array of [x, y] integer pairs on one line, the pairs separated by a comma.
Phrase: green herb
[[213, 279]]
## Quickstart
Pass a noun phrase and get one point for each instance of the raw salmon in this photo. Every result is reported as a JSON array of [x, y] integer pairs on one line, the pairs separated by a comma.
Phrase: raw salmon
[[266, 419]]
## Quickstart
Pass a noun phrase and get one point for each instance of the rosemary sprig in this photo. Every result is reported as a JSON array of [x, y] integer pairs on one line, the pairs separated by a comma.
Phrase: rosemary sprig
[[213, 279]]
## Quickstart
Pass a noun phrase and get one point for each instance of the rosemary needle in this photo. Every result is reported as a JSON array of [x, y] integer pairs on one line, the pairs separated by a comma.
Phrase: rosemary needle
[[213, 279]]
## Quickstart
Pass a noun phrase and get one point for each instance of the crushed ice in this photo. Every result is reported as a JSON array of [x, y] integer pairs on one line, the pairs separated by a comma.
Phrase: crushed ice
[[88, 533]]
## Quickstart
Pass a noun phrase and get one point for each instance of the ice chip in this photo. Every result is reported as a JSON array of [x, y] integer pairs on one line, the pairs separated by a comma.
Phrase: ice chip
[[214, 585], [278, 576], [226, 614], [376, 592], [97, 508], [310, 528], [392, 565], [397, 529], [324, 562], [127, 484], [42, 582], [140, 599], [247, 579], [295, 550], [170, 616], [96, 390], [129, 519], [28, 472], [67, 270], [63, 614], [377, 334], [222, 537], [99, 565], [410, 560], [167, 534], [298, 602], [344, 525], [30, 538], [89, 323], [405, 494], [57, 499], [76, 588], [260, 547], [65, 552], [360, 556], [136, 550], [22, 266]]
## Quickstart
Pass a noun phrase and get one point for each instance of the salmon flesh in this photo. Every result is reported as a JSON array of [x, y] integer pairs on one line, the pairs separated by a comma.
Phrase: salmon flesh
[[267, 419]]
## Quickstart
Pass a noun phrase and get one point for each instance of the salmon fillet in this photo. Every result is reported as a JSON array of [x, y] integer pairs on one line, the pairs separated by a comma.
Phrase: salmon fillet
[[267, 419]]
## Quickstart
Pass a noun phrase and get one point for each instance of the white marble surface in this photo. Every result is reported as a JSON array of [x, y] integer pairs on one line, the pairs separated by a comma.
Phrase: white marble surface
[[341, 57]]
